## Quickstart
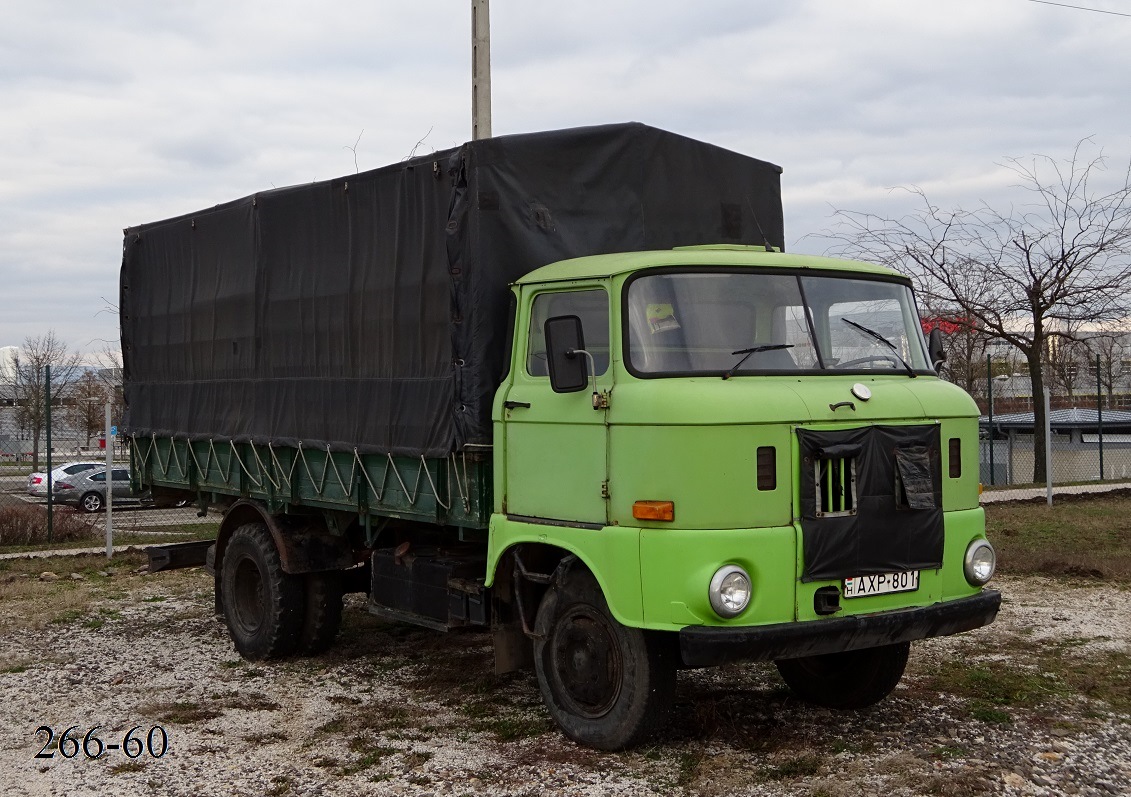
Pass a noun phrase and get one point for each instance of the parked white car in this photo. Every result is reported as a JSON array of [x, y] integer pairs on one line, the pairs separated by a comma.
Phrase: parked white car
[[37, 482]]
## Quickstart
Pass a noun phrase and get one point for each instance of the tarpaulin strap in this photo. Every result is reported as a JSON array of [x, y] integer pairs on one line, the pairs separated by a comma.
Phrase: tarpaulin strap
[[173, 450], [137, 450], [415, 488], [244, 467], [435, 492], [376, 494], [306, 466], [283, 476], [157, 458], [337, 474], [263, 470], [207, 462], [214, 454], [464, 494]]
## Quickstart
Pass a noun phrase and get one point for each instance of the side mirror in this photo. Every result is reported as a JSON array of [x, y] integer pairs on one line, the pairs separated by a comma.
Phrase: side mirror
[[565, 354], [935, 348]]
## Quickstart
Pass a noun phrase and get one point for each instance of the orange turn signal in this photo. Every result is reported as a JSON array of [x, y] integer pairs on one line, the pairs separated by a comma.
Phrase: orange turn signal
[[653, 510]]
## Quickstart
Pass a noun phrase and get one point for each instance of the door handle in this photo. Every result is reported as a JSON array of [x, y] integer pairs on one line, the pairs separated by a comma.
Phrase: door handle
[[513, 405]]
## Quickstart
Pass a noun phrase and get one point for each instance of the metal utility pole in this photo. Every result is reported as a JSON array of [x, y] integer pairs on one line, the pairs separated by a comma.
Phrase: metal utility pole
[[480, 69], [50, 486], [109, 484]]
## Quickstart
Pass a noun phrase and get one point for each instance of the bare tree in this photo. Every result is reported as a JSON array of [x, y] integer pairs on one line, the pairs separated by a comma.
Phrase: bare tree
[[1027, 274], [1112, 348], [86, 401], [30, 379], [110, 376], [965, 345]]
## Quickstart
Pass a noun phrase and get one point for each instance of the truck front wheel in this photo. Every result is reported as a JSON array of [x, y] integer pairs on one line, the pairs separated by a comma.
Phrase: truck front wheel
[[263, 606], [606, 685], [849, 680]]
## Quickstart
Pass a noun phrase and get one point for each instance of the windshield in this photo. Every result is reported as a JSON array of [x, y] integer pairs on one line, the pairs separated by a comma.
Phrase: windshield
[[733, 323]]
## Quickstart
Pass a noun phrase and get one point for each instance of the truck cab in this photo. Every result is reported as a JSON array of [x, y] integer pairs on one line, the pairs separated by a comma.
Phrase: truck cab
[[729, 453]]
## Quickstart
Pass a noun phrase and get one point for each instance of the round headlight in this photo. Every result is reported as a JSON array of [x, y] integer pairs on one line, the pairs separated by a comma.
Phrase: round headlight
[[980, 562], [730, 591]]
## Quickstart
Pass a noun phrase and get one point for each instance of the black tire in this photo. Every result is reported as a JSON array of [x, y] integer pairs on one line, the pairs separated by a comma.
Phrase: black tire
[[262, 604], [322, 615], [92, 502], [850, 680], [606, 685]]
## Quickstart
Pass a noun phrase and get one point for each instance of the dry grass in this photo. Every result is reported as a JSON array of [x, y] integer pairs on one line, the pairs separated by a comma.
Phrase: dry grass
[[1079, 536], [21, 524]]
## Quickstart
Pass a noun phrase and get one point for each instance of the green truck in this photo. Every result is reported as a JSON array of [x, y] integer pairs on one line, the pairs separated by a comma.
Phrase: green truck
[[680, 448]]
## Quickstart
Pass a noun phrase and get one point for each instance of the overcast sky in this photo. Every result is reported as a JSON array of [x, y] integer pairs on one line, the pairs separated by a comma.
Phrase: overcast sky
[[120, 113]]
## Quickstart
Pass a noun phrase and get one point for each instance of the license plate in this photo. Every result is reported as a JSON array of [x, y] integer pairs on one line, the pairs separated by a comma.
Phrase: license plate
[[881, 584]]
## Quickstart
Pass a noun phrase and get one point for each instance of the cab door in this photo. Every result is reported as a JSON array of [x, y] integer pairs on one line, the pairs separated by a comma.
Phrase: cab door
[[556, 443]]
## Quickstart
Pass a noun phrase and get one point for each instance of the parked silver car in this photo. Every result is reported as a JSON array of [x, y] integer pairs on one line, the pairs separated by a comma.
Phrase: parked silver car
[[87, 489], [37, 482]]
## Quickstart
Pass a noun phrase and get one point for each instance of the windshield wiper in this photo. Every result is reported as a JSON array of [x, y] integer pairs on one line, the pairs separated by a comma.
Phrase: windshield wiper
[[755, 350], [877, 336]]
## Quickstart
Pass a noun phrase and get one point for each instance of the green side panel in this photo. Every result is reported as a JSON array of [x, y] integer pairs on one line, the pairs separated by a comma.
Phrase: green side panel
[[612, 553], [677, 566], [455, 491], [709, 472], [961, 491]]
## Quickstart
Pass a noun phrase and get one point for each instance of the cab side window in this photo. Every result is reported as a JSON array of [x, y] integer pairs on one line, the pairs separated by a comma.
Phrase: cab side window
[[591, 306]]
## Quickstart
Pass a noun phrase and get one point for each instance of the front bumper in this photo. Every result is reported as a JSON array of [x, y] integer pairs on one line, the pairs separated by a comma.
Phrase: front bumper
[[706, 646]]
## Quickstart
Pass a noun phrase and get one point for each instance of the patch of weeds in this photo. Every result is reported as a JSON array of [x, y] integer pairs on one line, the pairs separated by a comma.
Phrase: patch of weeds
[[14, 669], [368, 757], [417, 758], [948, 751], [252, 701], [67, 617], [377, 717], [254, 672], [802, 766], [230, 665], [280, 785], [344, 700], [154, 599], [267, 737], [94, 623], [987, 713], [126, 767], [180, 712], [689, 762], [512, 728]]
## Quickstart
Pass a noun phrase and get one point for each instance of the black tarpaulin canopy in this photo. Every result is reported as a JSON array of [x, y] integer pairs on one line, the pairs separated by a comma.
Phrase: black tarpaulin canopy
[[369, 311]]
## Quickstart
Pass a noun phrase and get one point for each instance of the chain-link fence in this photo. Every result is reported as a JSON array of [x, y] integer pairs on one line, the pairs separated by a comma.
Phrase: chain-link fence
[[1089, 441], [80, 517]]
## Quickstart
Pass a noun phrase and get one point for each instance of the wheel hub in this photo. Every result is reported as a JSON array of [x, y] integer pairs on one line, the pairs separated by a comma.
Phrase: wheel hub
[[586, 662]]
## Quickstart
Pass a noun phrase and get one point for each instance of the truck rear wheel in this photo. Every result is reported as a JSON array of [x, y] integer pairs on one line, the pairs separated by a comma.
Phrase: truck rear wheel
[[850, 680], [262, 604], [323, 612], [606, 685]]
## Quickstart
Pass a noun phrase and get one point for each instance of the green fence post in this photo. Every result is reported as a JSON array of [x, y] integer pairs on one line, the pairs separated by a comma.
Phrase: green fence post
[[990, 402], [1100, 415]]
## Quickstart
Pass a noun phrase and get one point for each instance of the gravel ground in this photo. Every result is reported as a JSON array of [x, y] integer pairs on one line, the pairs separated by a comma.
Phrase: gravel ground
[[394, 710]]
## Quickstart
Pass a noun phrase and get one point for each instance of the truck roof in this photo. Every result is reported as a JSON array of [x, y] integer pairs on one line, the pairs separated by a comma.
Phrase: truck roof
[[728, 255]]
